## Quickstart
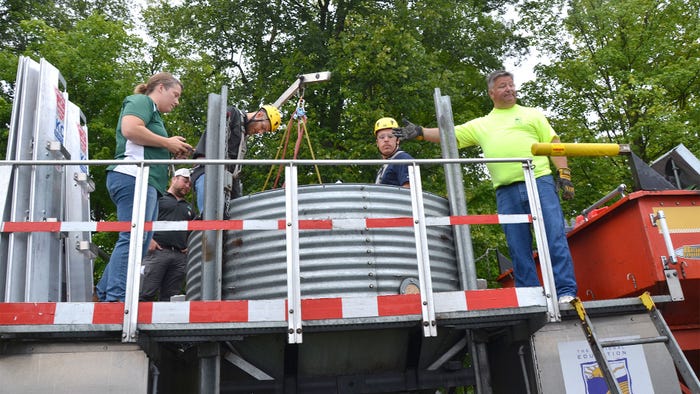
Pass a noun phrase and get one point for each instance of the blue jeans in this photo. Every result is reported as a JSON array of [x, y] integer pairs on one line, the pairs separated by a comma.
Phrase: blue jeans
[[512, 199], [121, 187], [199, 192]]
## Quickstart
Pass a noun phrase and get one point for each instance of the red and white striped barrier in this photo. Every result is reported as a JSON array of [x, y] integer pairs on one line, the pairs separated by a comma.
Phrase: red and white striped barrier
[[248, 311], [260, 224]]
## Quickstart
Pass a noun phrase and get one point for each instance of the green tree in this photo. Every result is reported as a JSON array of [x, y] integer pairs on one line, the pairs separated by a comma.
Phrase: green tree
[[60, 15], [99, 60], [386, 59], [96, 59], [621, 72]]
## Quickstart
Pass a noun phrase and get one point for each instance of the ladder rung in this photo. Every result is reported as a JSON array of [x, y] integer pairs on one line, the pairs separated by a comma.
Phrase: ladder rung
[[637, 341]]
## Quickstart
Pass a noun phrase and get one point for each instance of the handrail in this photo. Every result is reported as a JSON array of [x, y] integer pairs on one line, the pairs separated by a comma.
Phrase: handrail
[[129, 332], [296, 162], [618, 190]]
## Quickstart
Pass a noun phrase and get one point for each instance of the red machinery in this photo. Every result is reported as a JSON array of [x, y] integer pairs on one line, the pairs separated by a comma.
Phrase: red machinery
[[621, 252]]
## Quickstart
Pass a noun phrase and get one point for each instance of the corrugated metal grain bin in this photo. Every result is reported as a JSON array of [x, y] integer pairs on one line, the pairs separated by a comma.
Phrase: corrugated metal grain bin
[[338, 262]]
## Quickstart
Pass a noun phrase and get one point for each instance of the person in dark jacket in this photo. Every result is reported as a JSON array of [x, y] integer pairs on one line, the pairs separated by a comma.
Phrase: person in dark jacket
[[240, 125]]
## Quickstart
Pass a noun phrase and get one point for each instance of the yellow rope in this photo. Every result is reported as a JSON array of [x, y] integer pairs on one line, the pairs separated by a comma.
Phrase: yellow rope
[[285, 137], [300, 116], [313, 156]]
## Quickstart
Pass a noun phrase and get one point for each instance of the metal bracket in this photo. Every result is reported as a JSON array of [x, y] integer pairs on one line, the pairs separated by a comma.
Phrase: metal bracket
[[85, 181], [58, 150], [672, 281], [59, 235], [302, 80], [87, 248], [228, 182], [674, 285]]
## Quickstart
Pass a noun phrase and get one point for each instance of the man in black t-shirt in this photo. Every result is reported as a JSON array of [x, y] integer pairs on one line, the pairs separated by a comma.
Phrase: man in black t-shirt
[[163, 269]]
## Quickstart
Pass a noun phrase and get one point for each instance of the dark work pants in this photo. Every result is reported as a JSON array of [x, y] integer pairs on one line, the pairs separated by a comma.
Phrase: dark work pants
[[163, 274]]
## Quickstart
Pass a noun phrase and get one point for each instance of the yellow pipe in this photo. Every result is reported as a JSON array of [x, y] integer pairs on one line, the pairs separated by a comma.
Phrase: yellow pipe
[[584, 149]]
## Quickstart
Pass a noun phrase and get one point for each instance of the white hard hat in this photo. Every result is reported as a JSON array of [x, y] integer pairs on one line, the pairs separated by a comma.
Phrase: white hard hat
[[183, 172]]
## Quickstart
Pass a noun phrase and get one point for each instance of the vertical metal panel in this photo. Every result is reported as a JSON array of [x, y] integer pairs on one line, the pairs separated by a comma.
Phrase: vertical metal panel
[[212, 241], [79, 282], [6, 172], [45, 125], [5, 182], [44, 253], [25, 102], [333, 262]]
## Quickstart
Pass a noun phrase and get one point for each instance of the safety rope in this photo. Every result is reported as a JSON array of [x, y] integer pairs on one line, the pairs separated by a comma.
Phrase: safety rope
[[301, 119], [281, 153]]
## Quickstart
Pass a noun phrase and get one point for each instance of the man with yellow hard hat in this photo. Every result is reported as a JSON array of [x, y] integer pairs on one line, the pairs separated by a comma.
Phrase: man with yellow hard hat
[[388, 146], [241, 124]]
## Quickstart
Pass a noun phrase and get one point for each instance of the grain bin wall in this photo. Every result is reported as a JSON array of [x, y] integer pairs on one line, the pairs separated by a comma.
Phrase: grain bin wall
[[333, 263]]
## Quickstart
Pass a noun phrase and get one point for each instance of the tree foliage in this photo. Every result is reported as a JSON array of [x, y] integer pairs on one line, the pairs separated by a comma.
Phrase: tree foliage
[[386, 59], [622, 72], [98, 58]]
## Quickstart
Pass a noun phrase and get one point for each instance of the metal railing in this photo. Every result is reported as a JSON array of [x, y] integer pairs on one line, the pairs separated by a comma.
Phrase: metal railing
[[138, 228]]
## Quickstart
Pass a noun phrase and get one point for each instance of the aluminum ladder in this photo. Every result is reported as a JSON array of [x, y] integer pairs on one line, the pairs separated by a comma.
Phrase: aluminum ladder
[[665, 336]]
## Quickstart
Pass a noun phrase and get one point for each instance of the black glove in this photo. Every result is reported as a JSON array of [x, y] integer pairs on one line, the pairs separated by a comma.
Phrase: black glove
[[409, 131], [564, 184]]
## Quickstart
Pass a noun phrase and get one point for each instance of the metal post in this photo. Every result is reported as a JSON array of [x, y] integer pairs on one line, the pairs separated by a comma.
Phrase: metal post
[[455, 192], [212, 240], [209, 354], [293, 274], [462, 235], [422, 255], [133, 273], [550, 290]]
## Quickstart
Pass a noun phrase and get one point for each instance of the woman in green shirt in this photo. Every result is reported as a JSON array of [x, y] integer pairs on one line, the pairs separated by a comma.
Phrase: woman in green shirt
[[140, 135]]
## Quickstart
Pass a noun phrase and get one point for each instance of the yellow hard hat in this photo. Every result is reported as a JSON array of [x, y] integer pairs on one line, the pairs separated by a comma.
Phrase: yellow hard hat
[[385, 123], [274, 115]]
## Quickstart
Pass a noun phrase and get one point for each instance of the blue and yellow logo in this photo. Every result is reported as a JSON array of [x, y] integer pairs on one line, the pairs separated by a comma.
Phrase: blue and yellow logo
[[595, 381]]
